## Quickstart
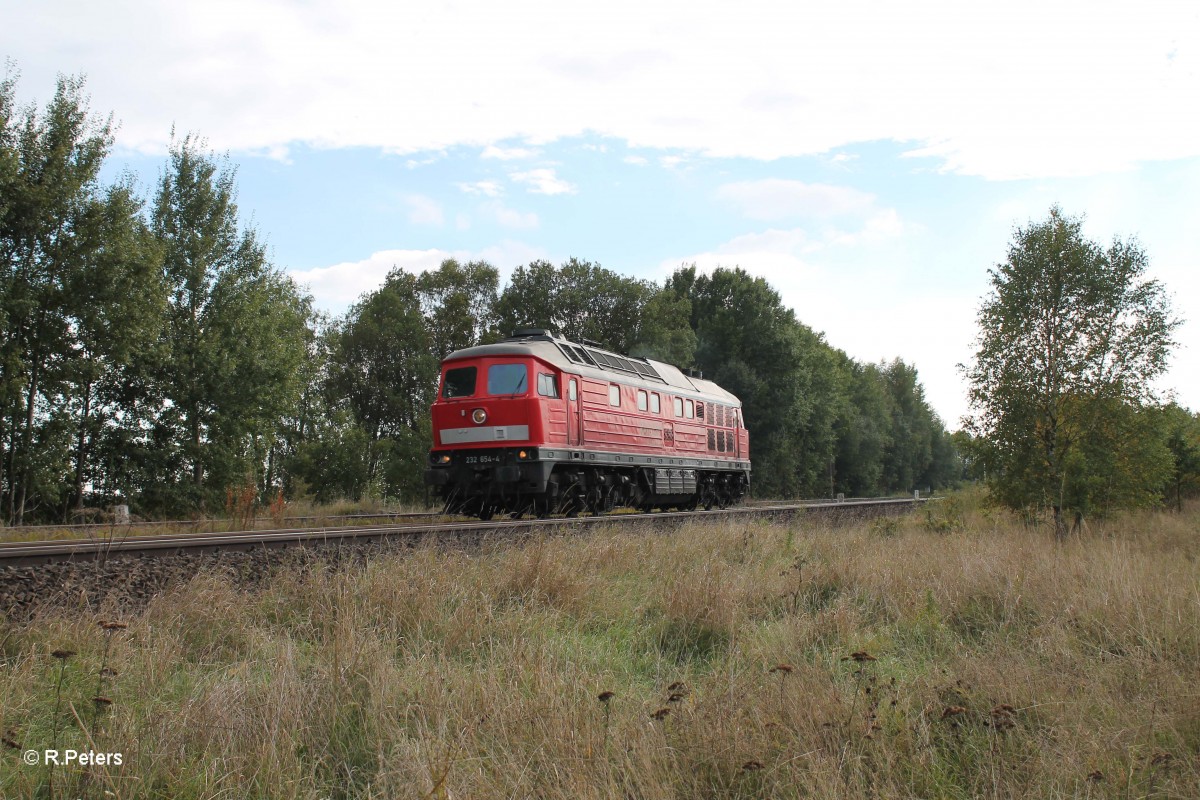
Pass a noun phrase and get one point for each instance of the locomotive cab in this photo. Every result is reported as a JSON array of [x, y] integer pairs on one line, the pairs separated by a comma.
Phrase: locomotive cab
[[483, 401], [489, 412]]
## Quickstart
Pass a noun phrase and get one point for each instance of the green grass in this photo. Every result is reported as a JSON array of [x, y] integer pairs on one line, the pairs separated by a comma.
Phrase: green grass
[[1005, 665]]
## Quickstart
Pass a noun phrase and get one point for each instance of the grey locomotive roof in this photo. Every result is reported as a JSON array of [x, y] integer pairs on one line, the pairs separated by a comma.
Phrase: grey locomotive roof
[[589, 360]]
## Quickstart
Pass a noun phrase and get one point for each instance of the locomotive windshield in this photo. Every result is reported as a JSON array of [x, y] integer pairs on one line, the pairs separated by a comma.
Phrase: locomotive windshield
[[507, 379], [459, 382]]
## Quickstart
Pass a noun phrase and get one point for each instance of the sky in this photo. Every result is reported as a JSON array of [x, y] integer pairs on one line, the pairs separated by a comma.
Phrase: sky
[[871, 160]]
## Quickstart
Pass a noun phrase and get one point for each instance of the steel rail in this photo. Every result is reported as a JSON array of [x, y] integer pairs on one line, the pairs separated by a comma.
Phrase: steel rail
[[103, 548]]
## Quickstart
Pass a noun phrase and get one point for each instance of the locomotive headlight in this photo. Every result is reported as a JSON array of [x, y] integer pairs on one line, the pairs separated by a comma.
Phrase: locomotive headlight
[[445, 459], [479, 416], [523, 454]]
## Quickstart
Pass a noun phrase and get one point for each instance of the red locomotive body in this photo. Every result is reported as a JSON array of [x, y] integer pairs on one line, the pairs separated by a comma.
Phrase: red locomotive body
[[538, 424]]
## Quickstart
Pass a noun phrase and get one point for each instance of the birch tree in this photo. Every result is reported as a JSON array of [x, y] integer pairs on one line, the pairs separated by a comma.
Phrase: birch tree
[[1071, 337]]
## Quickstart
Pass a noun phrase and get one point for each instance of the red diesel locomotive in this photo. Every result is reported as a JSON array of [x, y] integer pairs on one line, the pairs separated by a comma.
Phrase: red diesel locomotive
[[538, 424]]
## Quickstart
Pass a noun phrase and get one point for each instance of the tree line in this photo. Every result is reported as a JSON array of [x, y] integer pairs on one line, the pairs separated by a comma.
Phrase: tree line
[[150, 352]]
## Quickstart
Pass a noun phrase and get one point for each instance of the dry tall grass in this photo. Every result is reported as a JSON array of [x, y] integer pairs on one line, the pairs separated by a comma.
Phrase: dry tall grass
[[770, 661]]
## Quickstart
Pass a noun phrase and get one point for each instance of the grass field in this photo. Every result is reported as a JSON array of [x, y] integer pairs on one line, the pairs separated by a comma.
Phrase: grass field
[[952, 653]]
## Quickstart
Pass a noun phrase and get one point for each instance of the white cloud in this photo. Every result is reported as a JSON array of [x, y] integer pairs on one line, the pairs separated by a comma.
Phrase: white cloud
[[336, 287], [775, 198], [543, 181], [637, 161], [880, 225], [507, 153], [508, 254], [485, 188], [413, 163], [276, 152], [866, 305], [1023, 88], [423, 210], [511, 218]]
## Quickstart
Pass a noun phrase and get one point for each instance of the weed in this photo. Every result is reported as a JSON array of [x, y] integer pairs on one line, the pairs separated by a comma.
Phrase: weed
[[944, 515], [241, 505], [885, 527]]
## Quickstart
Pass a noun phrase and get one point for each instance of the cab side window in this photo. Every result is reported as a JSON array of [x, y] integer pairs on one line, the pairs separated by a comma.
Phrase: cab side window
[[691, 409], [614, 395], [655, 402], [547, 385], [679, 406], [643, 400]]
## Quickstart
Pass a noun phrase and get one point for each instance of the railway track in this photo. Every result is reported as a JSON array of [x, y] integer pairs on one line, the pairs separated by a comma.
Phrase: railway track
[[210, 525], [104, 548]]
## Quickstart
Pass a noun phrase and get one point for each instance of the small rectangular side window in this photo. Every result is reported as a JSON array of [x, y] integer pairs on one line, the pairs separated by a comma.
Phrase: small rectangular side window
[[655, 403], [614, 395], [643, 401], [691, 409], [547, 385], [679, 406], [573, 389]]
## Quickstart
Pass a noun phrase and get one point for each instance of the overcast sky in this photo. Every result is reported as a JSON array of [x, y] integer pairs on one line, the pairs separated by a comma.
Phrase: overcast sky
[[869, 159]]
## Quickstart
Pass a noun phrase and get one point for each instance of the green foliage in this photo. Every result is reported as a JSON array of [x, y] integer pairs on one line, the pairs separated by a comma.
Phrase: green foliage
[[863, 428], [1071, 337], [383, 365], [332, 461], [820, 422], [78, 292], [1182, 429], [234, 335], [944, 515], [749, 343], [459, 303], [583, 300]]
